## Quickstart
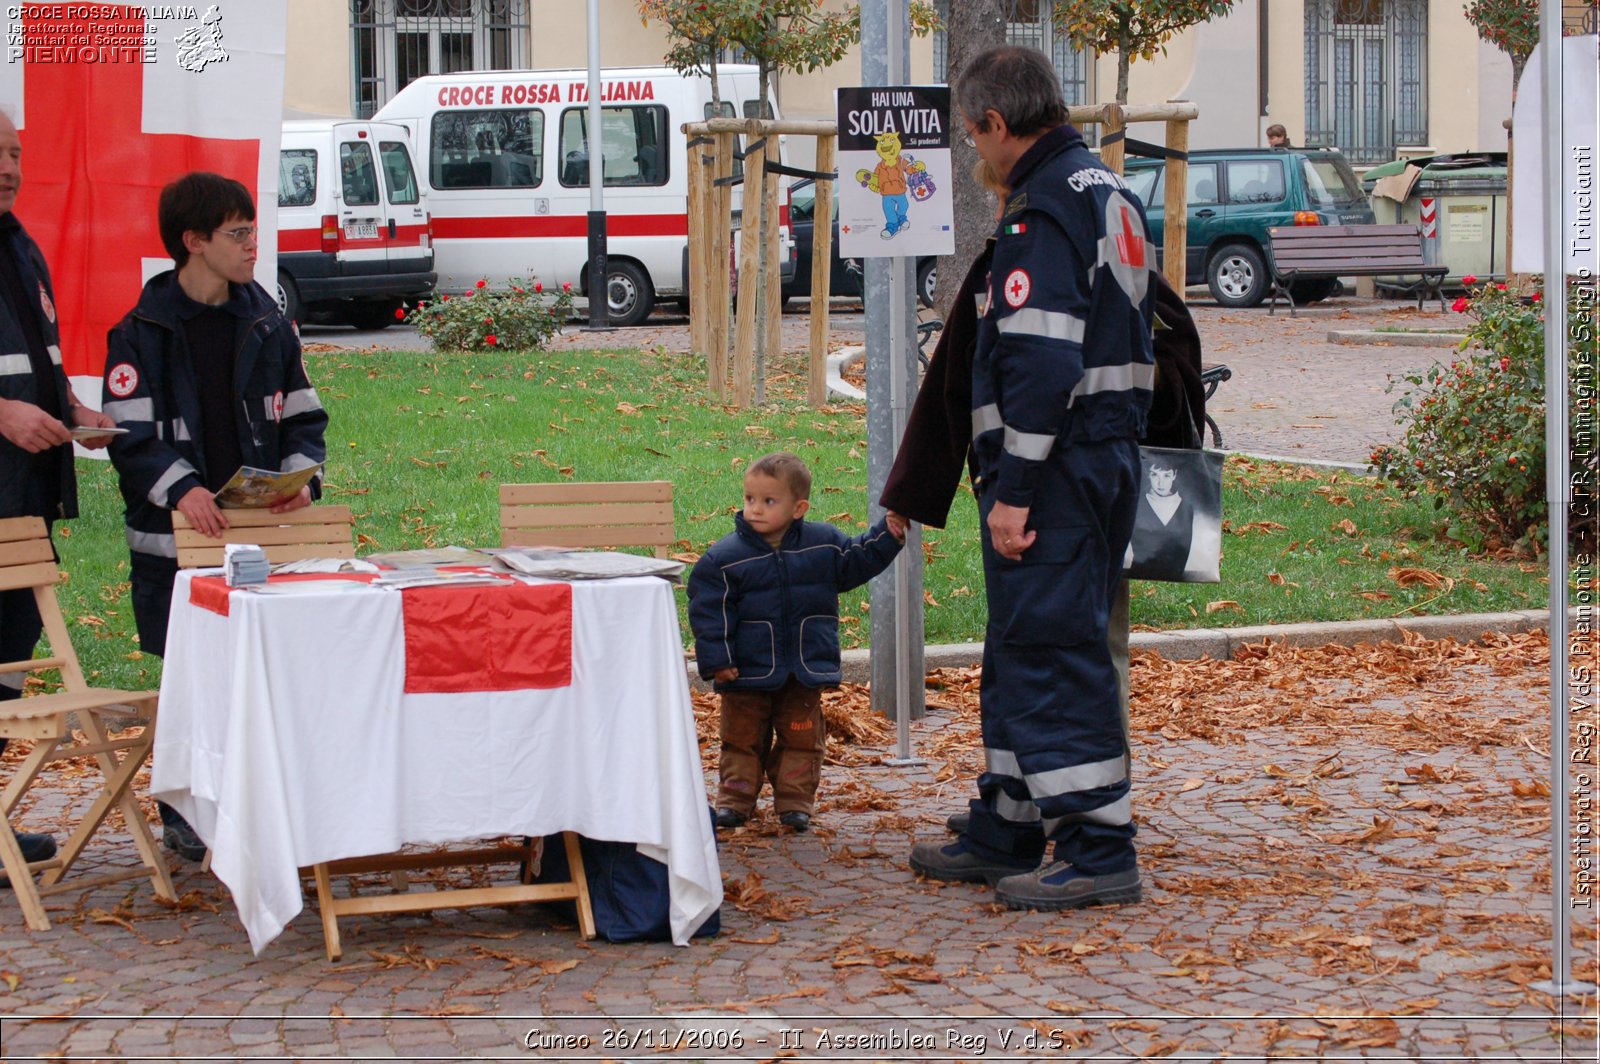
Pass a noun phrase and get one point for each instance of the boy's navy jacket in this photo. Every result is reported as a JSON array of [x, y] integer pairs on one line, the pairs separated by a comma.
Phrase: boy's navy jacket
[[150, 390], [774, 613]]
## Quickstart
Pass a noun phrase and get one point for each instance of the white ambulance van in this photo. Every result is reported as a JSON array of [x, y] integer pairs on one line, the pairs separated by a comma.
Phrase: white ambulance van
[[503, 155], [353, 238]]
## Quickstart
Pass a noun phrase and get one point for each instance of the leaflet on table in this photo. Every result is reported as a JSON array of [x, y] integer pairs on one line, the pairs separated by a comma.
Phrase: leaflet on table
[[252, 488], [89, 432], [400, 579], [583, 564], [428, 558], [326, 565]]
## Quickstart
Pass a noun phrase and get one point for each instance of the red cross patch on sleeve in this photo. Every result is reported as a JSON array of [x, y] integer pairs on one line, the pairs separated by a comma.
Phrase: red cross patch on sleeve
[[122, 380], [1018, 285]]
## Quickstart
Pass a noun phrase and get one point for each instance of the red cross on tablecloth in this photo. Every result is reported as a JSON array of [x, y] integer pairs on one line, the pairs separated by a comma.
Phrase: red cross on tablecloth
[[91, 178]]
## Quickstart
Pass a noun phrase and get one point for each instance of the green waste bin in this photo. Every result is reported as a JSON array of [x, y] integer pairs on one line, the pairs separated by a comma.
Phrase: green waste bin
[[1468, 195]]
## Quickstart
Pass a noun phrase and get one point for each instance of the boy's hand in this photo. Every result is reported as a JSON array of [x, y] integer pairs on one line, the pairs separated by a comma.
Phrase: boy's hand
[[201, 509], [897, 525], [727, 675]]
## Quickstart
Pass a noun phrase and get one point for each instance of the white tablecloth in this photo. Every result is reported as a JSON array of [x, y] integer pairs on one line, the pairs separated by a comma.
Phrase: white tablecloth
[[286, 739]]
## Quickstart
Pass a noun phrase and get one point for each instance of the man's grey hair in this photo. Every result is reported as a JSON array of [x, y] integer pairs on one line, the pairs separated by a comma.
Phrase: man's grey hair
[[1019, 84]]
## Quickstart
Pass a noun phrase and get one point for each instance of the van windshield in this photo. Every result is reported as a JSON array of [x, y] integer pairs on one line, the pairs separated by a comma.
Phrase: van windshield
[[1330, 182]]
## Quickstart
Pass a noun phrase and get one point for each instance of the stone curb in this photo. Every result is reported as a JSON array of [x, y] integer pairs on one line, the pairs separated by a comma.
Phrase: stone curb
[[1219, 644], [1395, 339]]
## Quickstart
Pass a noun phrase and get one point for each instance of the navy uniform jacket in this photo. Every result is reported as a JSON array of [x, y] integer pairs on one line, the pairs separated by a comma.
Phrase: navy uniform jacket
[[17, 382], [773, 613], [150, 390], [1064, 353]]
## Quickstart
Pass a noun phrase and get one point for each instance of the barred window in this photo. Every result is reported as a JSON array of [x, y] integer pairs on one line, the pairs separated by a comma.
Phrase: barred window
[[1029, 23], [394, 42], [1366, 76]]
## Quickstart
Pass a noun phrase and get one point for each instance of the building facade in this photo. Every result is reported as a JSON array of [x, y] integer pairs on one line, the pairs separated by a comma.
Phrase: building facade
[[1376, 78]]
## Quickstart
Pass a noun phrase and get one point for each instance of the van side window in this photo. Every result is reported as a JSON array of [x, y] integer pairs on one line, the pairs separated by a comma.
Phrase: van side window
[[297, 177], [738, 139], [487, 149], [359, 185], [633, 146], [398, 175], [1255, 181]]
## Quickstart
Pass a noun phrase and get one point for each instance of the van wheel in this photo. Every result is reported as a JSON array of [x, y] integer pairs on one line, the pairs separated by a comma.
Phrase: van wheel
[[1237, 276], [375, 314], [289, 298], [927, 281], [629, 297]]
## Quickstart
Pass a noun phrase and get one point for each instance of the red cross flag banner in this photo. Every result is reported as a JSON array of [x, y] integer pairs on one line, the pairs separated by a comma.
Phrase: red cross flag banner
[[114, 100], [894, 172]]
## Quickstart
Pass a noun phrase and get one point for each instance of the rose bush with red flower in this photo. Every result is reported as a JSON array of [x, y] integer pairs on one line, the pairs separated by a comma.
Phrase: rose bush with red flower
[[1492, 497], [515, 316]]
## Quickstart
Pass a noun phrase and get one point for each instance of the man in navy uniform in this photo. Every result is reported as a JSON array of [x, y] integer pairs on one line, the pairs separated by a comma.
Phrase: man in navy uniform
[[37, 415], [1062, 378]]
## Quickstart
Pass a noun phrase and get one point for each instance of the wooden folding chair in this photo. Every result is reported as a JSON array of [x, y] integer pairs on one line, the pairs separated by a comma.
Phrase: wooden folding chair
[[624, 513], [309, 532], [27, 561]]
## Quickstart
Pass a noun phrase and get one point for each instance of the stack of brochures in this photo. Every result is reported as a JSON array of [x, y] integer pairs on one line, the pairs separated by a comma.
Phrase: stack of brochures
[[244, 565], [583, 564]]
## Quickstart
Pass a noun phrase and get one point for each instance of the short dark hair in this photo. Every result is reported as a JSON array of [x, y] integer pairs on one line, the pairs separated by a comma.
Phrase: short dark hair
[[1019, 84], [789, 468], [199, 202]]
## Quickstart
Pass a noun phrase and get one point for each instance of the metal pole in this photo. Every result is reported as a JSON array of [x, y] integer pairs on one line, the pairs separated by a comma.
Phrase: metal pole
[[1557, 491], [896, 597], [599, 311]]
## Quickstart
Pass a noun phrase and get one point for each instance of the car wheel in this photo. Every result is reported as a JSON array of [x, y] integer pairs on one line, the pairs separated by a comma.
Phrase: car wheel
[[1303, 292], [378, 314], [1237, 276], [629, 297], [927, 280], [289, 298]]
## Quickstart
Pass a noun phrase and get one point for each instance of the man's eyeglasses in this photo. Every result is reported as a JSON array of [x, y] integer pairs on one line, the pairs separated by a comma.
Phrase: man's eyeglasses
[[967, 136], [241, 235]]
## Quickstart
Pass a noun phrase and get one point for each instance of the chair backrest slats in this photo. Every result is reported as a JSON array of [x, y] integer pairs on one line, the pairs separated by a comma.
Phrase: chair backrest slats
[[597, 514], [310, 532]]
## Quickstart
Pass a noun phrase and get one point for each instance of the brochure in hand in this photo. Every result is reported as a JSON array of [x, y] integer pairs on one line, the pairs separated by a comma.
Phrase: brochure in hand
[[89, 432], [253, 488]]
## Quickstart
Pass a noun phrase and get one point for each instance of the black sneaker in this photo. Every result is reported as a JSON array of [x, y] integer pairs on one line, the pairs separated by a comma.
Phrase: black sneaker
[[34, 848], [953, 861], [795, 819], [180, 838], [1058, 885], [959, 822], [729, 818]]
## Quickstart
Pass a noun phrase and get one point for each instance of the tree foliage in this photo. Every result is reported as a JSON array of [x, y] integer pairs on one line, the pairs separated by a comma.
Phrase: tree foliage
[[1511, 26], [1133, 29]]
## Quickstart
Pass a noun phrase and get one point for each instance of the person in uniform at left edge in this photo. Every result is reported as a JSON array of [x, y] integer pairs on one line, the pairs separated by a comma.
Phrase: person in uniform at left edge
[[37, 415]]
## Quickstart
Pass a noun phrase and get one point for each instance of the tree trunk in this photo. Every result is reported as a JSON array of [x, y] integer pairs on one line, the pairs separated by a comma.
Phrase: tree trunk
[[973, 27], [1124, 60]]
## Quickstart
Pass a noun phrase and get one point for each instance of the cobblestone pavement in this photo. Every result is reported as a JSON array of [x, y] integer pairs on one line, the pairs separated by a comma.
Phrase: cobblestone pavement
[[1334, 868]]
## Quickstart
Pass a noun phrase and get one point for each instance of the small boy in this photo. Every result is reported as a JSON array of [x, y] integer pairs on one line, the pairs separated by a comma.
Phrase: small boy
[[764, 607], [205, 374]]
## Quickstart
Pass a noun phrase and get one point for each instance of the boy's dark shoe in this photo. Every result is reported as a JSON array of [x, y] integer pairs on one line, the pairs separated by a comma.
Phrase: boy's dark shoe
[[180, 838], [953, 861], [1060, 886], [795, 819], [34, 848], [729, 818], [958, 822]]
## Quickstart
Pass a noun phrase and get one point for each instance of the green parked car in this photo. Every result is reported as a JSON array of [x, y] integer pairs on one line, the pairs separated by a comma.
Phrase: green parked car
[[1235, 196]]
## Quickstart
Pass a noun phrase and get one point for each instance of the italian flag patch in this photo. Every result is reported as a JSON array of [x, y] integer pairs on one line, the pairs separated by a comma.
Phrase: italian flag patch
[[1014, 230]]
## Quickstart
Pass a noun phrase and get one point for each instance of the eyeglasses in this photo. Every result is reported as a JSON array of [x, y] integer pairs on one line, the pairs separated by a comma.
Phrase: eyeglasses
[[240, 235], [967, 136]]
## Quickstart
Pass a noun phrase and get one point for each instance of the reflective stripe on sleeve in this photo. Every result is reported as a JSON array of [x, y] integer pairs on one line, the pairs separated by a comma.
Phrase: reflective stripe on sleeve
[[55, 354], [296, 461], [1049, 324], [175, 472], [164, 544], [123, 410], [1033, 446], [15, 365], [302, 401], [986, 419], [1114, 379]]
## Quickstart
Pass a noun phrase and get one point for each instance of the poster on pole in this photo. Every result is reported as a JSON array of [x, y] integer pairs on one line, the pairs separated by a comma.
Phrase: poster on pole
[[894, 172], [1580, 72], [112, 101]]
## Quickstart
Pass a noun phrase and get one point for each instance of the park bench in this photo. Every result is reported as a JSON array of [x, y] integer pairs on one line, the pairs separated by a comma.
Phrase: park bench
[[1210, 377], [1312, 252]]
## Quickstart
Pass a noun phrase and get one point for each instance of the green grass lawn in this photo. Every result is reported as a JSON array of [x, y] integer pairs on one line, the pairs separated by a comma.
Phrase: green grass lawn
[[419, 444]]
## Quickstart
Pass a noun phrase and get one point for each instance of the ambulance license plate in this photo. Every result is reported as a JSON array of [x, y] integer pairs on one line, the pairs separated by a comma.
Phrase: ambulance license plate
[[361, 230]]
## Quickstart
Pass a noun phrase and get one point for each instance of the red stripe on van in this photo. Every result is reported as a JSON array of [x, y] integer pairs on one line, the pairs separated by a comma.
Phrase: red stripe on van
[[299, 240], [503, 227]]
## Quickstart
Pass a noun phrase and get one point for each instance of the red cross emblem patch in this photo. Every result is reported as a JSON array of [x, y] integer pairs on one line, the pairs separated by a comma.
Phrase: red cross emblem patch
[[277, 406], [1018, 285], [46, 305], [122, 380]]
